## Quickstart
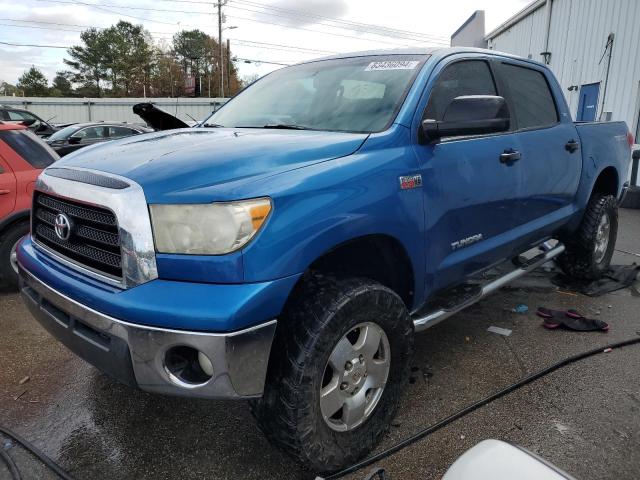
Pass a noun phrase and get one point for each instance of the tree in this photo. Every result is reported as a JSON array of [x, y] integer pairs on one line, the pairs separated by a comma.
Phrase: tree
[[33, 83], [129, 57], [88, 61], [7, 89], [61, 86]]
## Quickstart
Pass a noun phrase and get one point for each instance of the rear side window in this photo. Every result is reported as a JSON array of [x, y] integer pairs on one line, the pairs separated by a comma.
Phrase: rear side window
[[119, 132], [468, 77], [29, 147], [530, 96]]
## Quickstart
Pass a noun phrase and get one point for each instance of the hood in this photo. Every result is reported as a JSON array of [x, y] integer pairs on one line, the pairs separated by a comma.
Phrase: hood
[[157, 118], [183, 165]]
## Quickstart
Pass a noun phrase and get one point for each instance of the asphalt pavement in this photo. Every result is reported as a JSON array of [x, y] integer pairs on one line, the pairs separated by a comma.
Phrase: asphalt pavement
[[584, 418]]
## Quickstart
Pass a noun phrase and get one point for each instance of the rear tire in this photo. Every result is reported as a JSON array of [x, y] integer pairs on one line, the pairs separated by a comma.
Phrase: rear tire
[[589, 251], [8, 243], [312, 373]]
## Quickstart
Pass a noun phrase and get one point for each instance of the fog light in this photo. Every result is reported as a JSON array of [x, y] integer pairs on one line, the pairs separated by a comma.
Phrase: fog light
[[205, 364], [187, 367]]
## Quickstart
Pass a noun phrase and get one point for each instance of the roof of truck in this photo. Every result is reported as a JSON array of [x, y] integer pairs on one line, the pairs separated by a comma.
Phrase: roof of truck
[[440, 51]]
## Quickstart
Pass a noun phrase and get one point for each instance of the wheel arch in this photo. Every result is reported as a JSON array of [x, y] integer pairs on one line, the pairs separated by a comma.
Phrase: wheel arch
[[607, 182], [13, 218], [379, 257]]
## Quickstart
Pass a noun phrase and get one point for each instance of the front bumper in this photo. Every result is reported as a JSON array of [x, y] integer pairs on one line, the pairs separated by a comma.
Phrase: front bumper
[[135, 354]]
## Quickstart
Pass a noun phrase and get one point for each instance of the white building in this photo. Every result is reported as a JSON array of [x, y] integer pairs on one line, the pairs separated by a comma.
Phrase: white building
[[592, 46]]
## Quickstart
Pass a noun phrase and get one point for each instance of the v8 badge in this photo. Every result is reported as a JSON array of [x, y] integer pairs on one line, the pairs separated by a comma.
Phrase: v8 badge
[[410, 181]]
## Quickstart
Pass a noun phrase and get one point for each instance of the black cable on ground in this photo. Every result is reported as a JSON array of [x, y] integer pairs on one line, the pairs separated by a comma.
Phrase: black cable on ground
[[11, 465], [35, 451], [471, 408]]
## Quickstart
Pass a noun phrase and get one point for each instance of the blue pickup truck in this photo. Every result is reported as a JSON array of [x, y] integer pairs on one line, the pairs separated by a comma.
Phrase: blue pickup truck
[[287, 249]]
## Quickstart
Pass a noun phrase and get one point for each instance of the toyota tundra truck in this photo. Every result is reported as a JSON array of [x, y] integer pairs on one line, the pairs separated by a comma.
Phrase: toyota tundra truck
[[287, 249]]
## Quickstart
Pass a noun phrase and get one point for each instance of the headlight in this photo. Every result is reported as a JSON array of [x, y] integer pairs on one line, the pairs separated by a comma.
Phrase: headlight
[[210, 229]]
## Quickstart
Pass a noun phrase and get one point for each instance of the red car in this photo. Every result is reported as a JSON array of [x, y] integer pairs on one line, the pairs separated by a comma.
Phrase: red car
[[22, 158]]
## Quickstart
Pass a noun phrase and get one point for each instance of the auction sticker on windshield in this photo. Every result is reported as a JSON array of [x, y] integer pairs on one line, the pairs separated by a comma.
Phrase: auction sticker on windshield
[[392, 65]]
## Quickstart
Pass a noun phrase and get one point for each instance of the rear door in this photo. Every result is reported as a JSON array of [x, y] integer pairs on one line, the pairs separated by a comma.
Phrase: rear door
[[551, 161], [470, 196]]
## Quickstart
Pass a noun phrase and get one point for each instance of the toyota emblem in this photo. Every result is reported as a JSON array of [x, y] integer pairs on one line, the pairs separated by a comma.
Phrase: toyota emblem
[[62, 226]]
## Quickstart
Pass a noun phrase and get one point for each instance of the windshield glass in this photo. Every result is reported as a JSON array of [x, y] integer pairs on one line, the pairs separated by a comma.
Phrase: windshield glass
[[64, 133], [360, 94]]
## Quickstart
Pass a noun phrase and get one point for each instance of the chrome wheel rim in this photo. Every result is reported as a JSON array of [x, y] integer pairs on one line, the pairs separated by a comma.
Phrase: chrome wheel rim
[[602, 238], [355, 377], [13, 257]]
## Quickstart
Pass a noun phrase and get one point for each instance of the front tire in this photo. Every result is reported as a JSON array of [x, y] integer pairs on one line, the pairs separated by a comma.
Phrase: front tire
[[341, 360], [8, 243], [589, 251]]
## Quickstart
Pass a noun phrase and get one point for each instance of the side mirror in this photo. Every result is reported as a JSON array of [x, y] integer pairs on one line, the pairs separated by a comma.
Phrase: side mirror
[[74, 140], [470, 115], [41, 128], [29, 122], [635, 155]]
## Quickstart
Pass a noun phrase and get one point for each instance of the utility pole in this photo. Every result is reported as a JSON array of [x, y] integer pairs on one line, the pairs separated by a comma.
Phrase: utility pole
[[221, 62], [228, 61]]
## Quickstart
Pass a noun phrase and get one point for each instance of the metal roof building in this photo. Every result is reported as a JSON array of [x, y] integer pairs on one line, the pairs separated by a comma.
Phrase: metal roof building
[[592, 46]]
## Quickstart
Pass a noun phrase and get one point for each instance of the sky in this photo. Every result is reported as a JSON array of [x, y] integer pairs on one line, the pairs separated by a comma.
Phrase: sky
[[276, 31]]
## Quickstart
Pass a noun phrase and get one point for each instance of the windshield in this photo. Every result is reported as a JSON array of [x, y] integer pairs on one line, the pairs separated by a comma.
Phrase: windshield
[[64, 133], [360, 94]]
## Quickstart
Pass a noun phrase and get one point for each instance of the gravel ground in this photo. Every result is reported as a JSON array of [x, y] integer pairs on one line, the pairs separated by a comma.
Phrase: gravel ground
[[584, 418]]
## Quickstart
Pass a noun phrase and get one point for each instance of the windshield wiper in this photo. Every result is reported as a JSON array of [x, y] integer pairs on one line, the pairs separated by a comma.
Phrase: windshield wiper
[[211, 125], [285, 126]]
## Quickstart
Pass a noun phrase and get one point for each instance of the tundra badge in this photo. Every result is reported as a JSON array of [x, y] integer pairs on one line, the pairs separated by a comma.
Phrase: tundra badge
[[410, 181], [465, 242]]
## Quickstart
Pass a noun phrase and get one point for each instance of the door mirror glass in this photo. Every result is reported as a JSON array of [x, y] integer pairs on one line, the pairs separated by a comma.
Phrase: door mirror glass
[[470, 115]]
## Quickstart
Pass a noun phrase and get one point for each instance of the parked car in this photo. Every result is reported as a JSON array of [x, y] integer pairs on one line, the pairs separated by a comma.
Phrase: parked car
[[498, 460], [80, 135], [40, 127], [22, 158], [287, 251]]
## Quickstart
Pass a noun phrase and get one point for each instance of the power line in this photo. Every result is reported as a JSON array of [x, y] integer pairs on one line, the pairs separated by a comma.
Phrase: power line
[[102, 6], [397, 35], [2, 42], [362, 29], [246, 60], [242, 40], [347, 24]]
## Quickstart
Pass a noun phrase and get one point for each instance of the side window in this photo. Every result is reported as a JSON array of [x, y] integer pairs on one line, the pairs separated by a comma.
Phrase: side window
[[90, 133], [119, 132], [13, 115], [29, 147], [469, 77], [531, 97]]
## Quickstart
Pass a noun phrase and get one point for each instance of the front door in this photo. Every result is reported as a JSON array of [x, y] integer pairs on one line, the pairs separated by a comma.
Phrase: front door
[[470, 196], [588, 104]]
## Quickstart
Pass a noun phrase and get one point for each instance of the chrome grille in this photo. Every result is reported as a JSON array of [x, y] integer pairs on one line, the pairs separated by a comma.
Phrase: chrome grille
[[94, 241]]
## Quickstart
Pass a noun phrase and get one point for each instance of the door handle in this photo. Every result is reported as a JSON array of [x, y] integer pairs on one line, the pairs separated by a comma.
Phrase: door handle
[[4, 192], [571, 146], [509, 156]]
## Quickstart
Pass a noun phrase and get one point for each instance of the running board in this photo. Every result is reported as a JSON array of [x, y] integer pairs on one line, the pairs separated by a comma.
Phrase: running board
[[423, 322]]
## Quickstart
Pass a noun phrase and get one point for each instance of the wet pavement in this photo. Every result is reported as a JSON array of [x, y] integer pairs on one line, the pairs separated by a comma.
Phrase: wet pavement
[[584, 418]]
